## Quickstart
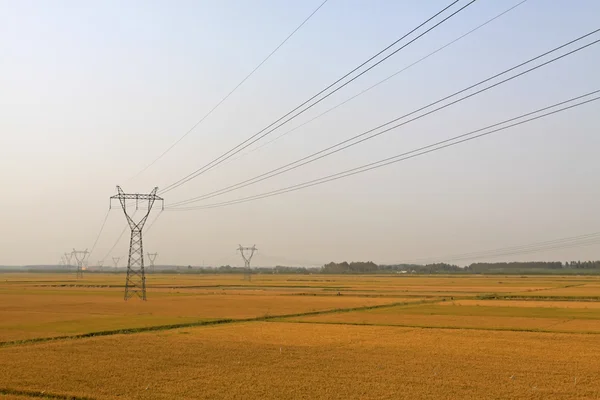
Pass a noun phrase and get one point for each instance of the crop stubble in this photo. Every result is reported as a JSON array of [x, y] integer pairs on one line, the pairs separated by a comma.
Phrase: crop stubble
[[332, 358], [287, 360]]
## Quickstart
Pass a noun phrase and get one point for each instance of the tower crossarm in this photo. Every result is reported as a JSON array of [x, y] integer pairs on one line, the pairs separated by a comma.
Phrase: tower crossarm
[[135, 282]]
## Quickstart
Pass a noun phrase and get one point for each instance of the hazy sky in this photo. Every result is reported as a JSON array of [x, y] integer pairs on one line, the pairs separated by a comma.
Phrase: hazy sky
[[92, 91]]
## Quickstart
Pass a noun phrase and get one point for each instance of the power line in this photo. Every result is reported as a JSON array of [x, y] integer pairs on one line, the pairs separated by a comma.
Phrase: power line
[[153, 221], [123, 232], [380, 82], [259, 135], [116, 242], [291, 166], [347, 142], [253, 139], [231, 92], [530, 251], [100, 232], [118, 239], [551, 248], [579, 238], [402, 157], [382, 163], [586, 239]]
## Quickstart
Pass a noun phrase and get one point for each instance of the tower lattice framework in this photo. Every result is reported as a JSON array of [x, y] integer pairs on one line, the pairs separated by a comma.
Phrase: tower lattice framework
[[80, 258], [247, 254], [152, 258], [135, 282], [68, 257]]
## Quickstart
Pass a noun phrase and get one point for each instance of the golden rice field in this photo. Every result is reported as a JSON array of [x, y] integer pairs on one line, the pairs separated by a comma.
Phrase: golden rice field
[[300, 336]]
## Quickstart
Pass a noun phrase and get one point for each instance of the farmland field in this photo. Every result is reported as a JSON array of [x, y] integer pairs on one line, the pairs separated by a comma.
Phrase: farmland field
[[300, 336]]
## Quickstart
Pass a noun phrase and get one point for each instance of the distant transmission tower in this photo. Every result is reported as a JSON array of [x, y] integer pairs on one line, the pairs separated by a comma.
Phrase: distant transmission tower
[[152, 258], [116, 261], [135, 283], [68, 257], [100, 264], [80, 258], [247, 254]]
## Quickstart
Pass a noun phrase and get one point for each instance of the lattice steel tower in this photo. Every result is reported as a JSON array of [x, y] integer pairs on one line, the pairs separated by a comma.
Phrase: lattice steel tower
[[135, 283], [152, 258], [116, 261], [80, 258], [247, 254], [68, 257]]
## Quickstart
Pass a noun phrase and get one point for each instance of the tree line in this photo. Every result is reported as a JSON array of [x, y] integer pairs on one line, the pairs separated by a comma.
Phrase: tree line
[[474, 268], [369, 267]]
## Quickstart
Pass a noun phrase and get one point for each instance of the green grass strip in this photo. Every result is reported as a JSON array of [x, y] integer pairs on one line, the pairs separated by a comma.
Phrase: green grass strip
[[41, 395]]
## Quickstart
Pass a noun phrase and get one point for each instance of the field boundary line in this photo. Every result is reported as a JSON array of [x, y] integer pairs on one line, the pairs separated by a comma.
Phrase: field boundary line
[[371, 296], [159, 286], [41, 395], [291, 321], [551, 288], [589, 299], [154, 328]]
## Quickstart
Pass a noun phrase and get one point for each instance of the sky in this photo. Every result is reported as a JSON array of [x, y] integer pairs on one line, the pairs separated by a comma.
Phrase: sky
[[92, 92]]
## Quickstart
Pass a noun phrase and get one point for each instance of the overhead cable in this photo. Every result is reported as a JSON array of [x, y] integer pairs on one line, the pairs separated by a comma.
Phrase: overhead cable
[[261, 134], [363, 136], [99, 233], [230, 93], [404, 156], [586, 239], [364, 91], [119, 238]]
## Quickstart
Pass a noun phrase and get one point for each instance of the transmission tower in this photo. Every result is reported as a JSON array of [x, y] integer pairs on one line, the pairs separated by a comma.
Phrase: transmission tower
[[135, 283], [247, 254], [100, 264], [116, 261], [68, 257], [152, 258], [80, 258]]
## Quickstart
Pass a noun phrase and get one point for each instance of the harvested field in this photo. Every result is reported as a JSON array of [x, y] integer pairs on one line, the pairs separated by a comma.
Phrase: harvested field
[[56, 313], [435, 321], [474, 314], [524, 303], [580, 291], [324, 336], [411, 283], [286, 360]]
